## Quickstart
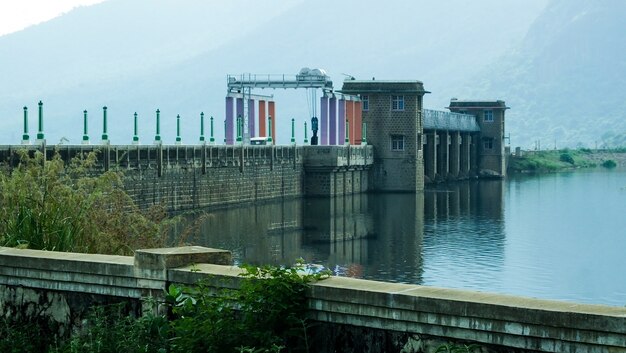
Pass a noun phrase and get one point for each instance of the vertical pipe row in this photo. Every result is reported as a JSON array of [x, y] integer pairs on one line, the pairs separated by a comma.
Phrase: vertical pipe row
[[324, 120], [332, 127], [262, 119], [271, 107], [229, 122], [341, 119]]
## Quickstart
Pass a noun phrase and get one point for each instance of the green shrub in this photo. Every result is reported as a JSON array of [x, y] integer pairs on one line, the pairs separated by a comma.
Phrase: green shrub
[[266, 313], [51, 206], [609, 163], [567, 158]]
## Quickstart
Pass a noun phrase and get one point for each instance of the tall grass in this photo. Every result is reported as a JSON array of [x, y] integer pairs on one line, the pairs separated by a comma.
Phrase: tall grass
[[53, 206]]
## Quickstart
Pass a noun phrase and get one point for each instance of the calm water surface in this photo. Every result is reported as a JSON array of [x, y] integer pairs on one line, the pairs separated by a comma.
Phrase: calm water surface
[[556, 236]]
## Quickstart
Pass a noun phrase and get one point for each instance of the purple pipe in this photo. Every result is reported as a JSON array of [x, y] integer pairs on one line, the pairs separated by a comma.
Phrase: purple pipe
[[251, 118], [341, 118], [230, 121], [332, 127], [324, 120]]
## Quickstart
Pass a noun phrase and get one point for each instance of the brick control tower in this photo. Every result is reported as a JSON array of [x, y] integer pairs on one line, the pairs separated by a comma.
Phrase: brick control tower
[[490, 117], [392, 111]]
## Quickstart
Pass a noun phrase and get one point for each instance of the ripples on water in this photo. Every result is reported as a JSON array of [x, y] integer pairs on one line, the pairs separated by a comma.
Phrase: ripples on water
[[557, 236]]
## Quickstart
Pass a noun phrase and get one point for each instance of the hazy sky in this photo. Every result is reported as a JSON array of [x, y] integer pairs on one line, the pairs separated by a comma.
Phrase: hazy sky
[[16, 15]]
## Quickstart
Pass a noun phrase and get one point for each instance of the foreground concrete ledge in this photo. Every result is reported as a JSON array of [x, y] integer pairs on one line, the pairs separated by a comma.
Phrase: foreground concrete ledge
[[165, 258], [350, 292]]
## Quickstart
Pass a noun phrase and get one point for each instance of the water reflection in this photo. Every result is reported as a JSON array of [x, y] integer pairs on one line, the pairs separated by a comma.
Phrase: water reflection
[[381, 236], [464, 237], [555, 237]]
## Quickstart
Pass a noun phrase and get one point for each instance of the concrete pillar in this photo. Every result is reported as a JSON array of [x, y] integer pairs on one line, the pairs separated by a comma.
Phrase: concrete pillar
[[455, 154], [341, 119], [332, 117], [474, 141], [430, 155], [443, 155], [230, 121], [465, 155], [251, 118], [262, 119]]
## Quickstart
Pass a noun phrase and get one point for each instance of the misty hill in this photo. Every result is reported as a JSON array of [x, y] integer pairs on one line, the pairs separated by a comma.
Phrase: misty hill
[[142, 55], [565, 81]]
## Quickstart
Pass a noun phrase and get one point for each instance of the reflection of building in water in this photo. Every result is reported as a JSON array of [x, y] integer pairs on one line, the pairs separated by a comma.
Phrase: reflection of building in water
[[268, 233], [408, 237], [338, 227], [396, 251], [464, 232]]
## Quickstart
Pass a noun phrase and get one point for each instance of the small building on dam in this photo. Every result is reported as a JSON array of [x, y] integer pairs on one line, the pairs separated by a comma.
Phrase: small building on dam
[[414, 146]]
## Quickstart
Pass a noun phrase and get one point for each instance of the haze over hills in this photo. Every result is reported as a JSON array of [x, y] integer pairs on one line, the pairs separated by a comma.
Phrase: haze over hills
[[142, 55], [565, 82]]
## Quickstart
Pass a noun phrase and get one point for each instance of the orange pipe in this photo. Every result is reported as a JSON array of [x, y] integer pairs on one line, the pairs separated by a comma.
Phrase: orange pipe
[[358, 123], [262, 119], [271, 107], [350, 118]]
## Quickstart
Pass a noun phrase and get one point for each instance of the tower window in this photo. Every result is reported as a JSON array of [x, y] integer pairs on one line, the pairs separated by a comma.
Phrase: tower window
[[488, 116], [365, 103], [488, 144], [397, 102], [397, 142]]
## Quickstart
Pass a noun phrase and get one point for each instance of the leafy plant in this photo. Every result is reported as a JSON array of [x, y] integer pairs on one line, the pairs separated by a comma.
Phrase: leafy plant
[[48, 205], [457, 348], [265, 314]]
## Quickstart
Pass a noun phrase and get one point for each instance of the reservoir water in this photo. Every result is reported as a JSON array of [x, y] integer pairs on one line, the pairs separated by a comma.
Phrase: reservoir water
[[555, 236]]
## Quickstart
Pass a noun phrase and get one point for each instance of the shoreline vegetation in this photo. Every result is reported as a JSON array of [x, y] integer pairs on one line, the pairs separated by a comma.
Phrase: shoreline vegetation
[[565, 159]]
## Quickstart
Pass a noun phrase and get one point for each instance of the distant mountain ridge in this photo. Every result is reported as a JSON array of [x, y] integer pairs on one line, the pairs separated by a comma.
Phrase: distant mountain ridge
[[565, 81], [146, 54]]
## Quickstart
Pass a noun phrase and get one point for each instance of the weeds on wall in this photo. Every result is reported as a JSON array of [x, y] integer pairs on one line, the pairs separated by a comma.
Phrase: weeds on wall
[[265, 314], [59, 207]]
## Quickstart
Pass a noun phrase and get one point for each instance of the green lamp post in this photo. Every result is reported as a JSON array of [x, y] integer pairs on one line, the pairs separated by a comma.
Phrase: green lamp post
[[136, 132], [157, 137], [25, 137], [105, 135], [85, 128], [178, 139]]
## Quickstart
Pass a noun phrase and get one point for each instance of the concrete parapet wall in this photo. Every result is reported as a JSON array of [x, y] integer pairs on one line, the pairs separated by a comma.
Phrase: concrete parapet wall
[[189, 177], [497, 321]]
